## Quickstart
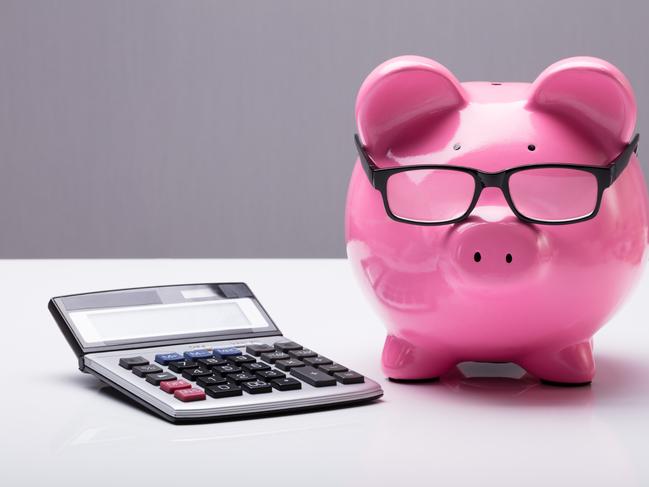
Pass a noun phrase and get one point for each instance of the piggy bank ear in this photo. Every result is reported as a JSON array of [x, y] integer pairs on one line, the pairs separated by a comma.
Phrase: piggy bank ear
[[589, 92], [404, 94]]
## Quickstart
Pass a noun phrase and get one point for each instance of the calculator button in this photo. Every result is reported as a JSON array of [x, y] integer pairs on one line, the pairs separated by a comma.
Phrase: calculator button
[[286, 346], [319, 360], [313, 376], [181, 365], [224, 390], [286, 384], [349, 377], [272, 357], [288, 364], [258, 349], [256, 387], [172, 386], [241, 359], [241, 377], [165, 358], [332, 368], [193, 374], [130, 362], [191, 394], [270, 374], [255, 367], [227, 369], [212, 362], [210, 380], [226, 352], [300, 354], [196, 354], [155, 379], [143, 370]]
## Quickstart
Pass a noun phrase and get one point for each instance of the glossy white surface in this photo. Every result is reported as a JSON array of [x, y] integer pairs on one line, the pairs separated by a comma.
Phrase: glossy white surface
[[61, 427]]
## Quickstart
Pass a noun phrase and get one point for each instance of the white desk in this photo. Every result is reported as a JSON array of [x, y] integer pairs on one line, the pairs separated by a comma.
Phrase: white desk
[[62, 427]]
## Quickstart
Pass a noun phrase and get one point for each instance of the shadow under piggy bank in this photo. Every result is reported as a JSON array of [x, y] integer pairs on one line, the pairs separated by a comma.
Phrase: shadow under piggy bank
[[619, 381]]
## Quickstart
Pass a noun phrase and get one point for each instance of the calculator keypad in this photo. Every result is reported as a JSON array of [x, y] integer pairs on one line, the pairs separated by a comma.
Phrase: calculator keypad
[[227, 372]]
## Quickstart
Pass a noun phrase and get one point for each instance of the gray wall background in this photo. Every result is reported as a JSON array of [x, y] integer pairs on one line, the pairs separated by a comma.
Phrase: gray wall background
[[223, 129]]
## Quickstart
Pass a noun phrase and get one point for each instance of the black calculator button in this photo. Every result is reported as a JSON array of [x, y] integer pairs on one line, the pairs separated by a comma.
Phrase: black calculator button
[[241, 377], [258, 349], [313, 376], [241, 359], [256, 387], [286, 384], [272, 357], [319, 360], [288, 364], [332, 368], [130, 362], [227, 369], [155, 379], [195, 373], [300, 354], [212, 362], [286, 346], [270, 374], [143, 370], [227, 389], [180, 365], [349, 377], [255, 367], [210, 380]]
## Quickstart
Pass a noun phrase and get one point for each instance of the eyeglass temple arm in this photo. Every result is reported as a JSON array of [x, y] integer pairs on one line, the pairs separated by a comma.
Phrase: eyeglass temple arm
[[623, 160], [368, 166]]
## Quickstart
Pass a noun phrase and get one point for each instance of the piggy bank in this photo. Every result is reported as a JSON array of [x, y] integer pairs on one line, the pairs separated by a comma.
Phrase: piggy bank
[[496, 221]]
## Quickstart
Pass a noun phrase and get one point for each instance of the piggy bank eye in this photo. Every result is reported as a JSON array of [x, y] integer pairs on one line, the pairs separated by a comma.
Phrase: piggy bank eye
[[531, 147]]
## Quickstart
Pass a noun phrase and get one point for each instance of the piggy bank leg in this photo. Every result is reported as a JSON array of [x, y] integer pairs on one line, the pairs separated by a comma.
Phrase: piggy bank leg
[[403, 361], [573, 365]]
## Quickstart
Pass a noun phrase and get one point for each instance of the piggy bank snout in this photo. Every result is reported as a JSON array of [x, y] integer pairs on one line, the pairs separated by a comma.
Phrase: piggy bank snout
[[505, 249]]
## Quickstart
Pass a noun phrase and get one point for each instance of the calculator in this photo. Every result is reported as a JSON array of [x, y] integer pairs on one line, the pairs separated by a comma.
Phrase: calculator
[[201, 352]]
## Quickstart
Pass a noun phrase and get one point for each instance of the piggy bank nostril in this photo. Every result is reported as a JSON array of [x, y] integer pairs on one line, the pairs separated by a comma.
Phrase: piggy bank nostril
[[508, 258], [477, 257]]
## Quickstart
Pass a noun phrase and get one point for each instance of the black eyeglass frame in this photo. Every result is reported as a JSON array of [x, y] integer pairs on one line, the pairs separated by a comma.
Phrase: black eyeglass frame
[[605, 175]]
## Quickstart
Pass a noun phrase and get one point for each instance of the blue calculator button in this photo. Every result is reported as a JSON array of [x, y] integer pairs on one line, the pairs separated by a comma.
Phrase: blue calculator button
[[196, 354], [165, 358], [226, 352]]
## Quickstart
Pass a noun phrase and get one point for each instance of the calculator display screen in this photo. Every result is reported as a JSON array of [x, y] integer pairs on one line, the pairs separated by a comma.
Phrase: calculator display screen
[[130, 324]]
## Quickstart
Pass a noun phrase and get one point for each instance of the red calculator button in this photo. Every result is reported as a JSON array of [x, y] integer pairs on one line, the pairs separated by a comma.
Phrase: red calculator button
[[191, 394], [172, 386]]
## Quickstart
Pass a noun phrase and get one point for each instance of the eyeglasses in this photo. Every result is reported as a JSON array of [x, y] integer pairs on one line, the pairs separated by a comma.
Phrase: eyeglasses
[[549, 194]]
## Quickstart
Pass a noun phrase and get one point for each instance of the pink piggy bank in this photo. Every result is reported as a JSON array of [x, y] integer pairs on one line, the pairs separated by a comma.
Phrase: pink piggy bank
[[496, 222]]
